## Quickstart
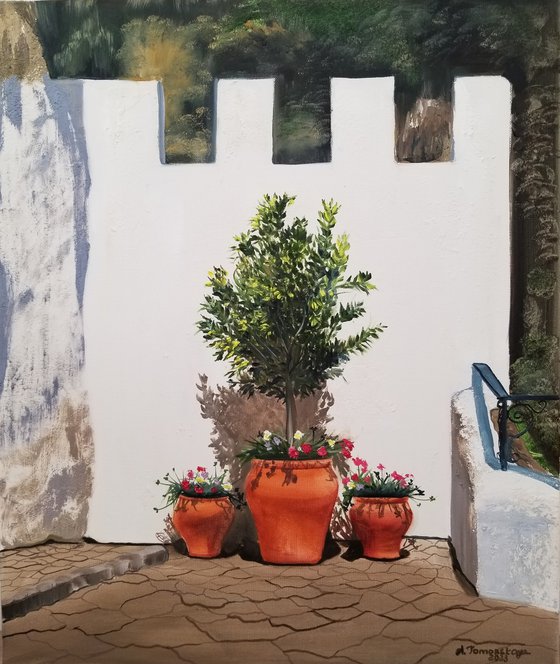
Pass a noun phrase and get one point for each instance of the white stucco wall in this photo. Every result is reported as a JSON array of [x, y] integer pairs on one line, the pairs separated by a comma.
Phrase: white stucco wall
[[435, 237]]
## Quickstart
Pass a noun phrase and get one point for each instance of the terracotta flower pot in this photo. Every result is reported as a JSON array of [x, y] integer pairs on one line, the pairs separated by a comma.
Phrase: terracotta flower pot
[[291, 503], [380, 524], [203, 524]]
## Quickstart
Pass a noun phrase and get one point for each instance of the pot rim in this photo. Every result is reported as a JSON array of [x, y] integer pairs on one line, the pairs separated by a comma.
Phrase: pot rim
[[381, 499], [293, 463], [204, 498]]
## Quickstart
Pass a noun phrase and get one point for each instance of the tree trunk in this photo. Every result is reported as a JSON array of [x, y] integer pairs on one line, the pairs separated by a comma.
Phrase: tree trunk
[[290, 413], [424, 133]]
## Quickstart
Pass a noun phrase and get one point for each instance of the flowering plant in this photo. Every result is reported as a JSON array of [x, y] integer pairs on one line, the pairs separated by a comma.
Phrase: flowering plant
[[198, 484], [268, 445], [379, 483]]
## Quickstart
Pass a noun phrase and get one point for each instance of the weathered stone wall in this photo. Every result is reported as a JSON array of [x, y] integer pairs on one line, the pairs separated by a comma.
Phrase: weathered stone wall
[[46, 448]]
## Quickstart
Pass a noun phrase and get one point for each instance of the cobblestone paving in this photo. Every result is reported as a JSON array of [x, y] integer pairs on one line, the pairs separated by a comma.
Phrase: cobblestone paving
[[346, 610], [38, 575]]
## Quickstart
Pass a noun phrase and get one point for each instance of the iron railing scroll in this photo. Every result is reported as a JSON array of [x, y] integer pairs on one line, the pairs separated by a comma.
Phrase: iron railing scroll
[[522, 410]]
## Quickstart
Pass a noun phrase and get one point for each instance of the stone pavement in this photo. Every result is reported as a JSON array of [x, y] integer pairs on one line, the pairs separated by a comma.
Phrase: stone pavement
[[347, 610], [36, 576]]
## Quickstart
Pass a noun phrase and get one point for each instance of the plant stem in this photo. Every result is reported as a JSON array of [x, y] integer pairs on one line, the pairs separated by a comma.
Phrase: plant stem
[[290, 412]]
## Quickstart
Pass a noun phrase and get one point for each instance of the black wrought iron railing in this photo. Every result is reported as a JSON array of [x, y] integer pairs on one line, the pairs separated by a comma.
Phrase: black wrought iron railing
[[517, 408]]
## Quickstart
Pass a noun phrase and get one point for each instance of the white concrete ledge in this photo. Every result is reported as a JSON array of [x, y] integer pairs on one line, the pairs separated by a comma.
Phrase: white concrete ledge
[[505, 526]]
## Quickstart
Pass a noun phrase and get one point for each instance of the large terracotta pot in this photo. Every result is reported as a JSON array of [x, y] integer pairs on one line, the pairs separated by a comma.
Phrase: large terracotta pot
[[203, 524], [380, 524], [291, 503]]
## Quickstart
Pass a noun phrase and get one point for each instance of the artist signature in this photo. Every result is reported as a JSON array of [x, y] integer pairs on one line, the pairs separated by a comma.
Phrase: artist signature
[[501, 654]]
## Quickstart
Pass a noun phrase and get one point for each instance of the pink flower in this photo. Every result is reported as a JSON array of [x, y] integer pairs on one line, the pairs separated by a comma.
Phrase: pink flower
[[346, 453], [322, 451], [355, 477], [347, 444], [380, 467], [214, 490], [396, 476], [190, 475], [185, 485], [345, 481], [403, 483], [306, 448], [199, 489], [368, 479], [293, 453], [357, 461]]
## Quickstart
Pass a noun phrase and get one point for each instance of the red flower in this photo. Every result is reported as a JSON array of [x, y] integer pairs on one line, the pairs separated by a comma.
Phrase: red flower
[[306, 448], [214, 489], [185, 485], [345, 481], [322, 451], [355, 477], [396, 476], [346, 453], [200, 469], [190, 475], [293, 453], [360, 462], [368, 479], [347, 444], [199, 489]]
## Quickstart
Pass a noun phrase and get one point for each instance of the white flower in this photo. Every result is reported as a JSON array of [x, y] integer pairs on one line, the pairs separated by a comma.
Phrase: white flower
[[331, 442], [298, 435], [227, 487], [267, 435]]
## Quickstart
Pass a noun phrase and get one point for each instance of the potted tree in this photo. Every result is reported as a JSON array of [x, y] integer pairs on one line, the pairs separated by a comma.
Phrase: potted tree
[[277, 321]]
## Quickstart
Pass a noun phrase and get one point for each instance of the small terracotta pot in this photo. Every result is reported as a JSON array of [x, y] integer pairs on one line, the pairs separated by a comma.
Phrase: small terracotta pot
[[291, 503], [380, 524], [203, 523]]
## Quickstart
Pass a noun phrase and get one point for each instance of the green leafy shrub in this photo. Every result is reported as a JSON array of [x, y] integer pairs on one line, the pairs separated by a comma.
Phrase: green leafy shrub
[[277, 319]]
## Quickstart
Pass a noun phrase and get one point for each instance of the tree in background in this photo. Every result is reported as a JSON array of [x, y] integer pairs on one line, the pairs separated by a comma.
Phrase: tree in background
[[161, 49]]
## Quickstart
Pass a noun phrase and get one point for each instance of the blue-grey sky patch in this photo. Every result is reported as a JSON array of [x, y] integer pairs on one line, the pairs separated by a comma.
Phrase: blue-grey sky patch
[[12, 99], [6, 308], [25, 298], [51, 394], [66, 99]]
